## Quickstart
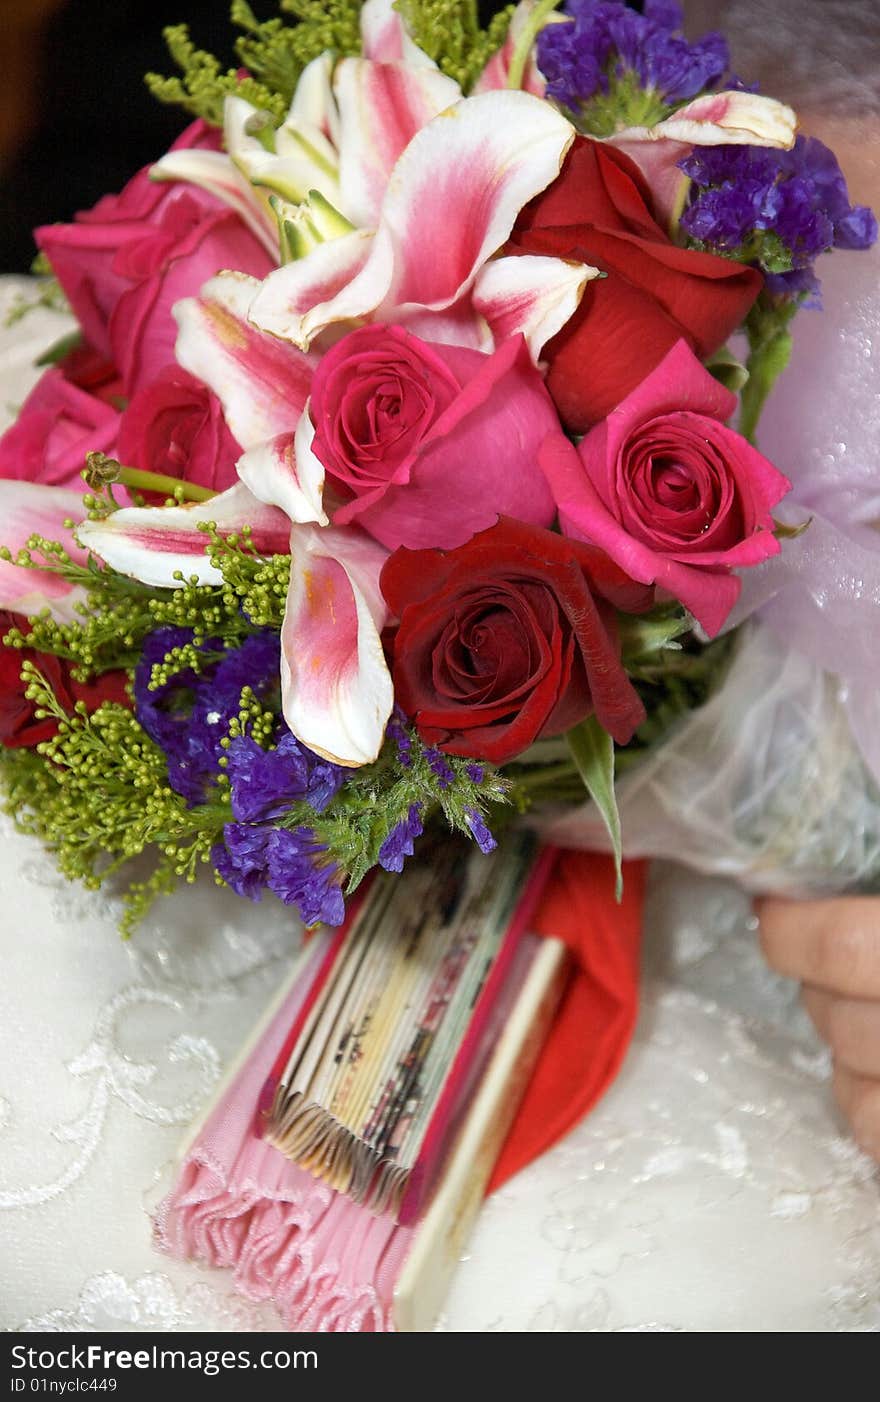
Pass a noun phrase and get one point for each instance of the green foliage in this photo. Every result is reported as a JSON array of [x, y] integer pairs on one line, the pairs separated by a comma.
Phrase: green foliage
[[449, 32], [592, 750], [625, 104], [204, 86], [275, 51], [379, 796], [45, 292], [97, 795]]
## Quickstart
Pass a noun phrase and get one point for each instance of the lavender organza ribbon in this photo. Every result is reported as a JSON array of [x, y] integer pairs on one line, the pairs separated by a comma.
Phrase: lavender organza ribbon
[[821, 596]]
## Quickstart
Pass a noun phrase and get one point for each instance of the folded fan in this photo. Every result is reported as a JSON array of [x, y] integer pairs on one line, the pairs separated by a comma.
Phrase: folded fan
[[400, 1021]]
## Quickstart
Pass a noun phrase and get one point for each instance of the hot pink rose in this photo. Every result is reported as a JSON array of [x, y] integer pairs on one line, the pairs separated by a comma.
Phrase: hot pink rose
[[59, 422], [428, 444], [668, 491], [176, 426], [125, 263]]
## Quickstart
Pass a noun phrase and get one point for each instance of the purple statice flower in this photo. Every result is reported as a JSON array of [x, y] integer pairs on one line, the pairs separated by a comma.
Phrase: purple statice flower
[[476, 773], [190, 715], [396, 730], [778, 209], [252, 859], [298, 877], [264, 783], [479, 831], [398, 845], [606, 41], [440, 767], [242, 860]]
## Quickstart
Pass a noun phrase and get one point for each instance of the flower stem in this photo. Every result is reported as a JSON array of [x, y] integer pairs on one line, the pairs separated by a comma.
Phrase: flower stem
[[531, 30], [141, 481]]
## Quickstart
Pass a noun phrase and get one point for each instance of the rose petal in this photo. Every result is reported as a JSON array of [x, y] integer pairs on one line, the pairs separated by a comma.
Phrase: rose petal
[[336, 691], [214, 171], [152, 543], [262, 385]]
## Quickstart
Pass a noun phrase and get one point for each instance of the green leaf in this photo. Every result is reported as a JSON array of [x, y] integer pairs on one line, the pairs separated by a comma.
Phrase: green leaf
[[592, 750], [727, 370], [60, 349]]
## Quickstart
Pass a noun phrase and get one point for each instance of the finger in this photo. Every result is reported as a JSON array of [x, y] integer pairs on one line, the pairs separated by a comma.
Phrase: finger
[[850, 1026], [833, 944], [859, 1099]]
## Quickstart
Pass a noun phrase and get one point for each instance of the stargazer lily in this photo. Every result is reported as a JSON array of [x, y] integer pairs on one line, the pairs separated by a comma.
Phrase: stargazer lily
[[335, 687], [34, 509], [487, 157], [716, 119], [348, 122]]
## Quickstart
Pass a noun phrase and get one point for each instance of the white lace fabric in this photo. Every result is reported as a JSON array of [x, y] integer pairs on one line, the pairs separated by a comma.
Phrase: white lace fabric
[[713, 1189]]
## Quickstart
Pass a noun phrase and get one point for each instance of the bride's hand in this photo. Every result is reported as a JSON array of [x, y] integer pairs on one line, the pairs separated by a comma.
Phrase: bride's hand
[[833, 948]]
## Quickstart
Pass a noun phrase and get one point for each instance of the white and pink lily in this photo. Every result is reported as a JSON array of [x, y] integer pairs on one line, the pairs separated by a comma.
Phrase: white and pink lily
[[484, 158], [348, 122], [716, 119], [337, 694], [33, 509]]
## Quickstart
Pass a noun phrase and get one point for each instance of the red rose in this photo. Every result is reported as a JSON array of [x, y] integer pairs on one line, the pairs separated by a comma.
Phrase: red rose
[[599, 211], [125, 263], [508, 638], [20, 727], [175, 425], [672, 494]]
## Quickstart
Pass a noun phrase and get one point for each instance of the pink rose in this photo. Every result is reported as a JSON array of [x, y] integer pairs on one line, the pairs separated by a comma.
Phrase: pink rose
[[59, 422], [175, 425], [428, 444], [668, 491], [125, 263]]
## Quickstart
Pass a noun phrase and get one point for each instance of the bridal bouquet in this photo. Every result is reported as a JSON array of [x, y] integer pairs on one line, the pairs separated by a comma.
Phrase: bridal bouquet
[[415, 393]]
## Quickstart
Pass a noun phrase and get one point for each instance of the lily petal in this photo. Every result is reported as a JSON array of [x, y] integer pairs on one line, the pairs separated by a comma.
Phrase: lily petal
[[716, 119], [485, 157], [30, 508], [384, 36], [263, 385], [215, 172], [381, 106], [285, 473], [153, 543], [335, 687], [296, 302], [494, 75], [532, 296], [313, 102]]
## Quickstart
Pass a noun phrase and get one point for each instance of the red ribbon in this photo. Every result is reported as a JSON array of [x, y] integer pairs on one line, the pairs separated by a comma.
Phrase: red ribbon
[[597, 1015]]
